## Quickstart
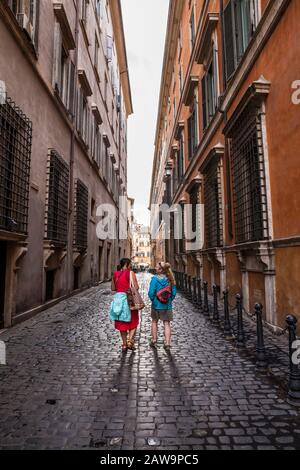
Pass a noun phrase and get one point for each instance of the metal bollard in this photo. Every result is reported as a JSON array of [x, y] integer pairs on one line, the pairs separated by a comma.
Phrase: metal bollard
[[206, 306], [194, 290], [240, 339], [261, 357], [190, 295], [294, 379], [185, 289], [199, 302], [216, 317], [227, 324]]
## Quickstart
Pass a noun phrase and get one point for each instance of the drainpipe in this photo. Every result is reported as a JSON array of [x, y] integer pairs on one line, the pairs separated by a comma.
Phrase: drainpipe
[[227, 166], [72, 154]]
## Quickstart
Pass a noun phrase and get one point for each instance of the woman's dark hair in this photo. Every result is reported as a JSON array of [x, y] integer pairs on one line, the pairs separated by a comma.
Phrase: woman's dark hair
[[125, 262]]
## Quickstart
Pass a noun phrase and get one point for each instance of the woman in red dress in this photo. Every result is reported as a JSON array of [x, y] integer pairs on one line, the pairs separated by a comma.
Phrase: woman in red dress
[[120, 284]]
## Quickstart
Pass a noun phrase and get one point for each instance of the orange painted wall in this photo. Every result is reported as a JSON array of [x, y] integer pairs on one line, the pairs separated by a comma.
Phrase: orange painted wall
[[288, 282]]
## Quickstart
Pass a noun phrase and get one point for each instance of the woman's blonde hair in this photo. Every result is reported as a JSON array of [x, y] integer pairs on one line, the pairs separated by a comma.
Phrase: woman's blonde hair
[[167, 270]]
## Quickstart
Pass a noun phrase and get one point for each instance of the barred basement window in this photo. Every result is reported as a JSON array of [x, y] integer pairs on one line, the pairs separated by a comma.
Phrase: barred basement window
[[81, 216], [15, 156], [213, 205], [57, 199], [249, 186]]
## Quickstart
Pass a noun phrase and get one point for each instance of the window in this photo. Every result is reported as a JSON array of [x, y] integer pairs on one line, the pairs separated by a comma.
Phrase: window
[[105, 90], [84, 11], [15, 156], [109, 48], [180, 159], [83, 118], [174, 109], [248, 173], [93, 207], [81, 216], [213, 205], [99, 9], [27, 14], [180, 80], [57, 199], [240, 21], [194, 202], [96, 56], [192, 29], [210, 89], [63, 70], [193, 129]]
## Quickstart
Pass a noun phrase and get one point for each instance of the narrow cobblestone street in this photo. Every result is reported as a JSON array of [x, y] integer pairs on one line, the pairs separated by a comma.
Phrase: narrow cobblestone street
[[67, 386]]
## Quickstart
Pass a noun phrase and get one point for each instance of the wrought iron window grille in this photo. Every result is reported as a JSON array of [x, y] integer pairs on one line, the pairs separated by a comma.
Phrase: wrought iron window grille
[[15, 158], [248, 173], [56, 216], [81, 216]]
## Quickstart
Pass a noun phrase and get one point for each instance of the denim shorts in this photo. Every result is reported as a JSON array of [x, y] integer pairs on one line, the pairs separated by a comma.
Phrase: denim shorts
[[163, 315]]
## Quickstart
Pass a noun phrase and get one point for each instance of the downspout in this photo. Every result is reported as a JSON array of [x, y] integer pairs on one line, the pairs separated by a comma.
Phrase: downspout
[[72, 155], [227, 165]]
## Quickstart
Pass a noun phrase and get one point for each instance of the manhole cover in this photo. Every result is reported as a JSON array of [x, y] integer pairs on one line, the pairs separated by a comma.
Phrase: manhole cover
[[152, 441]]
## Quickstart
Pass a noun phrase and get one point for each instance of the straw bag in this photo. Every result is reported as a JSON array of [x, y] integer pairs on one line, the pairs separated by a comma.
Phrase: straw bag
[[134, 298]]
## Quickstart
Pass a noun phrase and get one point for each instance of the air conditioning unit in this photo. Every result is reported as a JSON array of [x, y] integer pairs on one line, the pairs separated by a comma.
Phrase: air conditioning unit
[[26, 25]]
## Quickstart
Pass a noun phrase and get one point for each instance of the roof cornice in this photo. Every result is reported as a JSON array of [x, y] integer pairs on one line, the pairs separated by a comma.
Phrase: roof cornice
[[118, 28]]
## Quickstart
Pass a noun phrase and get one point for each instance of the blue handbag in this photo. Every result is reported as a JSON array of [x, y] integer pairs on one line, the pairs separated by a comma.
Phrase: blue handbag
[[119, 309]]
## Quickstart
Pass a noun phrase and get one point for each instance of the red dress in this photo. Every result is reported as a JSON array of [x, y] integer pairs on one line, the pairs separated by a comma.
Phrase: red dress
[[122, 283]]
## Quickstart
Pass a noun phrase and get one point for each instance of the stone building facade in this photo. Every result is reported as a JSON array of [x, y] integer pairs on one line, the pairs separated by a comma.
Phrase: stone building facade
[[63, 148], [227, 138], [141, 242]]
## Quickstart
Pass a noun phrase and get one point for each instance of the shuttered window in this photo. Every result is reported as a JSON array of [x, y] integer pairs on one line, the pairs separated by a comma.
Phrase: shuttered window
[[210, 90], [27, 13], [180, 159], [63, 71], [240, 21], [193, 130]]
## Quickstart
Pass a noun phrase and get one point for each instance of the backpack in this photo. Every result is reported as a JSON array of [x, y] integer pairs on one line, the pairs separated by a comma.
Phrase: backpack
[[164, 294]]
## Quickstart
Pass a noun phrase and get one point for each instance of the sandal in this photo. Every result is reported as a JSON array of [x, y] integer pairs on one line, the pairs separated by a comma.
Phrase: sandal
[[130, 345], [153, 344], [124, 348]]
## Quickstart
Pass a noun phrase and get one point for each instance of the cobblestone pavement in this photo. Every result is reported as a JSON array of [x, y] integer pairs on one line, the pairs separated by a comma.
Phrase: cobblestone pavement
[[67, 386]]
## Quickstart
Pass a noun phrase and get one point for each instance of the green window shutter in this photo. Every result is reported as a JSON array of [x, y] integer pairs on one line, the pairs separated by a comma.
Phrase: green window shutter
[[229, 30]]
